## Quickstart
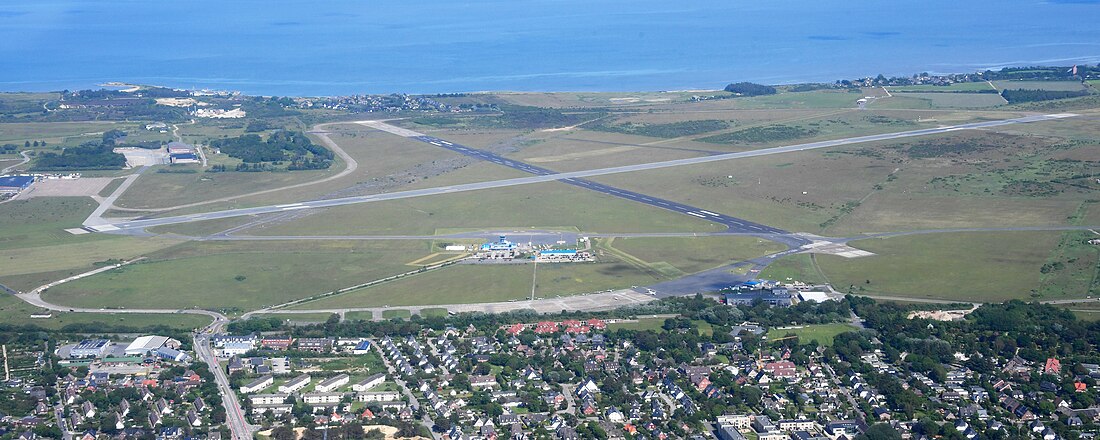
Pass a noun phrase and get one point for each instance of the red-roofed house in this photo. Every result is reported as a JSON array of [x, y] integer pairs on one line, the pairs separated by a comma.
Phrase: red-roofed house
[[597, 324], [546, 327], [1053, 366], [780, 369], [515, 329]]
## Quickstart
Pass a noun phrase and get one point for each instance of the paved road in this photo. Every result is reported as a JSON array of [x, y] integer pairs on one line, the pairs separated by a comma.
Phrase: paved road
[[26, 159], [352, 165], [137, 225], [235, 417], [108, 203]]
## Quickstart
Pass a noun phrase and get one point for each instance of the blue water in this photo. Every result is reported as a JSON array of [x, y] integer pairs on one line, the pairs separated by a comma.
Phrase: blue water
[[328, 47]]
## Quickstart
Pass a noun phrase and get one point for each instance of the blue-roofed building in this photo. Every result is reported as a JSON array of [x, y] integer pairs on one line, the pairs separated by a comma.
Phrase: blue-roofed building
[[173, 355], [502, 249], [14, 184], [362, 347]]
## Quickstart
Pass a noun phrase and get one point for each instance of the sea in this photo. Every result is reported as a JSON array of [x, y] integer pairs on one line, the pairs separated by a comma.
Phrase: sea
[[342, 47]]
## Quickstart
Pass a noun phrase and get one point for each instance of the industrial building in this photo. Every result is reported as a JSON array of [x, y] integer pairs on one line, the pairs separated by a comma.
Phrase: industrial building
[[147, 344], [179, 153], [90, 348], [14, 184]]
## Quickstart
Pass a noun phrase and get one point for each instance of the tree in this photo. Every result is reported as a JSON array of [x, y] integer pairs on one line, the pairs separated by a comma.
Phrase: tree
[[880, 431], [283, 432]]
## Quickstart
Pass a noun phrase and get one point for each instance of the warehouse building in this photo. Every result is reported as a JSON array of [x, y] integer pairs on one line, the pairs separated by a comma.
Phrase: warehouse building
[[14, 184], [90, 348], [147, 344]]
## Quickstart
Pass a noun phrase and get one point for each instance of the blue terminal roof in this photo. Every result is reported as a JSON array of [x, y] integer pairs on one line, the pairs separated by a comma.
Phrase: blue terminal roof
[[16, 181]]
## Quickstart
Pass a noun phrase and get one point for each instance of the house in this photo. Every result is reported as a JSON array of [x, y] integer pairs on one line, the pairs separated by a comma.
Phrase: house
[[267, 399], [382, 396], [322, 398], [332, 383], [1052, 366], [363, 347], [277, 342], [295, 384], [257, 385], [319, 345], [485, 381], [370, 382]]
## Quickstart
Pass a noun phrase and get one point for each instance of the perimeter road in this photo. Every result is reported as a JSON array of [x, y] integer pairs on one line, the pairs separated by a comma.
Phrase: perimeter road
[[138, 225]]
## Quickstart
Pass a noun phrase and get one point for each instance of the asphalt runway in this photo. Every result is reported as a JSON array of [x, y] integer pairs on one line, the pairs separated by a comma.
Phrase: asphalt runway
[[136, 226], [732, 224]]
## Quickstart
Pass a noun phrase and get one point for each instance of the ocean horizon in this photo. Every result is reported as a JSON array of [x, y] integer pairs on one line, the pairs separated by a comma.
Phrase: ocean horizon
[[353, 47]]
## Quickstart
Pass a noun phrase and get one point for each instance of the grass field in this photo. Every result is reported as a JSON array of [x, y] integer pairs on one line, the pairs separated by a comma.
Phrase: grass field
[[41, 221], [678, 256], [917, 100], [979, 266], [1040, 85], [956, 87], [58, 133], [797, 267], [17, 312], [467, 283], [823, 333], [544, 205], [433, 312], [396, 314], [241, 275], [639, 324]]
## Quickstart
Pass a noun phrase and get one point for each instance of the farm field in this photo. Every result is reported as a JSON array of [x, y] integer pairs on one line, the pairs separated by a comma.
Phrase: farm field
[[240, 275], [822, 333], [976, 266]]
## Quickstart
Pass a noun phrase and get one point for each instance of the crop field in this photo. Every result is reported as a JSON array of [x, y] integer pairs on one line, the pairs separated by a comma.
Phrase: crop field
[[1040, 85], [240, 275], [973, 266], [685, 255], [822, 333], [539, 206], [17, 312]]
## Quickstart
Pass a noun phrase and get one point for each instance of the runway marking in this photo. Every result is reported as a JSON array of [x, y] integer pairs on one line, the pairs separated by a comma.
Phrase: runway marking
[[697, 215]]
